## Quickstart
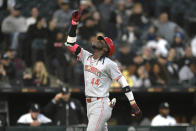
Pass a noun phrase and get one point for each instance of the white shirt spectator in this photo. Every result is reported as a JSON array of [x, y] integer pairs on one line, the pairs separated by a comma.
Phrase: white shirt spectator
[[10, 3], [160, 46], [26, 119], [14, 24], [31, 21], [185, 73], [139, 82], [163, 121], [193, 46]]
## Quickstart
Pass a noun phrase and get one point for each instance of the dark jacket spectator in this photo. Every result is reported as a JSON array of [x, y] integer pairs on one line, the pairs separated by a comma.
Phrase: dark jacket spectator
[[137, 18], [8, 69], [125, 56], [114, 28], [88, 29], [64, 110], [34, 38], [179, 45], [172, 66], [157, 76], [151, 34]]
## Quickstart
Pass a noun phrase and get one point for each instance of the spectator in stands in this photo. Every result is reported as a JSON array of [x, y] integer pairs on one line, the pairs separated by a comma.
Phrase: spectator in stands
[[172, 66], [2, 71], [137, 17], [193, 46], [162, 60], [151, 34], [51, 38], [87, 5], [178, 45], [159, 46], [34, 14], [65, 110], [163, 118], [9, 4], [35, 41], [3, 77], [166, 28], [88, 29], [99, 25], [141, 77], [121, 11], [187, 74], [138, 60], [128, 7], [34, 118], [114, 27], [18, 64], [14, 22], [130, 34], [147, 54], [9, 68], [39, 76], [3, 123], [125, 55], [188, 57], [156, 76], [60, 60], [63, 15], [105, 9]]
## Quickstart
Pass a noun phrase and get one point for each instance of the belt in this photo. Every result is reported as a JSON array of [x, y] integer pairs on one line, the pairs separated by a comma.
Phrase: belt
[[91, 99]]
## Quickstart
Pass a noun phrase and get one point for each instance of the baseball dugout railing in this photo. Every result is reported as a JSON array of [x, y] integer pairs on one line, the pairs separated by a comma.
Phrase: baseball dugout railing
[[111, 128]]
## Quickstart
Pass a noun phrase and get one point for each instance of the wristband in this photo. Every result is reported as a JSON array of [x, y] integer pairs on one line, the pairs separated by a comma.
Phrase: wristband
[[130, 96], [71, 39]]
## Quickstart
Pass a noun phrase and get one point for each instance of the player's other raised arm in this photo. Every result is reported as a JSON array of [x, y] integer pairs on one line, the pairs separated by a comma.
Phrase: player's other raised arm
[[71, 39]]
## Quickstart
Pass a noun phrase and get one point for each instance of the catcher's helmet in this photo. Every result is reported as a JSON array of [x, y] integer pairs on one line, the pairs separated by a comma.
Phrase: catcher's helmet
[[110, 45]]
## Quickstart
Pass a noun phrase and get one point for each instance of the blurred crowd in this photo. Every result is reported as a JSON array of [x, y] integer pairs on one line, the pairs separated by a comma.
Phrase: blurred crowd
[[153, 48]]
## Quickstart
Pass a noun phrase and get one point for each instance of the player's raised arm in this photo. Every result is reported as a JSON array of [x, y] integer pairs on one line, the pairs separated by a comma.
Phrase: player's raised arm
[[71, 39]]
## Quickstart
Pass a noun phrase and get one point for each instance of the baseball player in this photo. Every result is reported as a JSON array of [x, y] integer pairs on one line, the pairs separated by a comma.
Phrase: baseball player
[[99, 72]]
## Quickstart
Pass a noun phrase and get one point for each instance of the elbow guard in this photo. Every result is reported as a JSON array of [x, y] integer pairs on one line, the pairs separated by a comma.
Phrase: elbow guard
[[126, 89], [128, 93]]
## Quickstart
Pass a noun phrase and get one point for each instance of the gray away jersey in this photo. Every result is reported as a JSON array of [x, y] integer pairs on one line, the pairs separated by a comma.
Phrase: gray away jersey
[[98, 75]]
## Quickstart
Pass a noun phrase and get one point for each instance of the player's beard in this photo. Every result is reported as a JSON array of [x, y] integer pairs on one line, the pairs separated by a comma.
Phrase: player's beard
[[95, 47]]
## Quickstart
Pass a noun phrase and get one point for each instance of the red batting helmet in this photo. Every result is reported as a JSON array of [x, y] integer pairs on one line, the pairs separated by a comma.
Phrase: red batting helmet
[[110, 45]]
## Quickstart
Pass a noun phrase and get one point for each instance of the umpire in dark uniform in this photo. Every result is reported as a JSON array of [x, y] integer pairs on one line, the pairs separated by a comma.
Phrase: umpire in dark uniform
[[64, 110]]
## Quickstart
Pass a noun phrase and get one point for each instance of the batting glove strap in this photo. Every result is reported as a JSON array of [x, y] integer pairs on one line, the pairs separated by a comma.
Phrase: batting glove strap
[[136, 110], [76, 16]]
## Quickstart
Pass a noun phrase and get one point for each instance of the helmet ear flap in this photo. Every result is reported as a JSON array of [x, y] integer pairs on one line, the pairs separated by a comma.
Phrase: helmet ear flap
[[110, 45]]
